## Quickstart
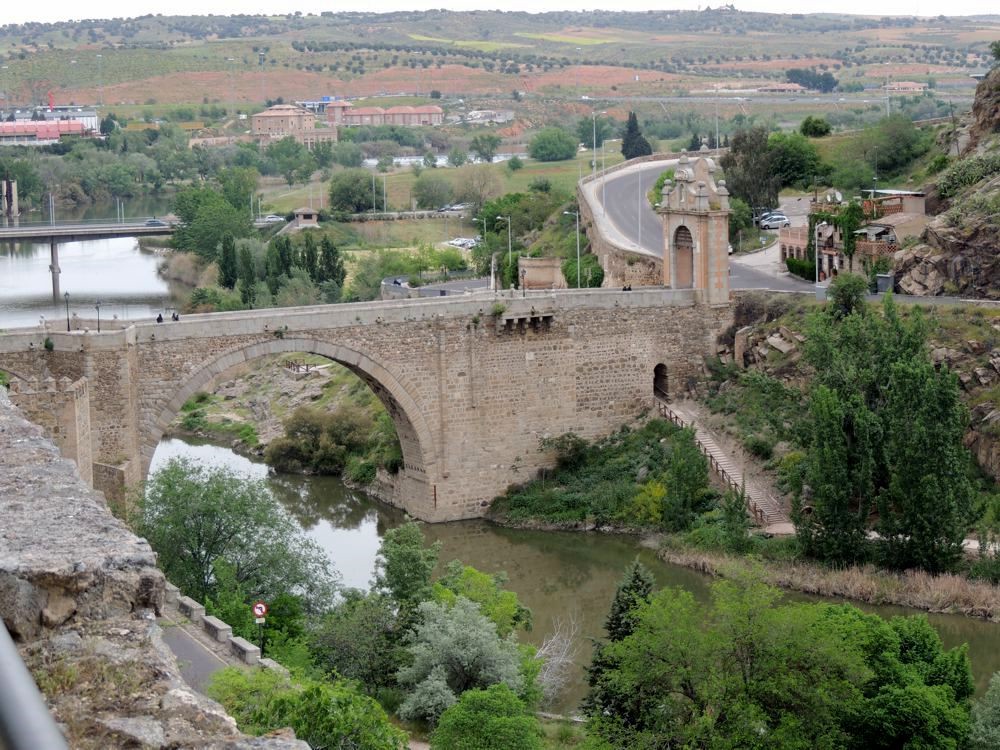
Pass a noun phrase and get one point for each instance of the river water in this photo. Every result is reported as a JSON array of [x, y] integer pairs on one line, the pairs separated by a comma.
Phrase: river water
[[116, 273], [558, 575]]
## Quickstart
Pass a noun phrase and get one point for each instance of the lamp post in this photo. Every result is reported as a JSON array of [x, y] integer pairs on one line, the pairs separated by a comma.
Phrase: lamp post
[[524, 292], [577, 215], [819, 290], [98, 308], [593, 155], [66, 297], [510, 250], [100, 80]]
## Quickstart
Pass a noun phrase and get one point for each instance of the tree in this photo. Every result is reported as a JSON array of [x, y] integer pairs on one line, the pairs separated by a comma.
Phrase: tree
[[586, 126], [502, 607], [331, 264], [228, 269], [814, 127], [926, 507], [248, 277], [453, 649], [477, 183], [404, 566], [752, 673], [358, 640], [490, 719], [205, 218], [749, 172], [348, 154], [686, 481], [432, 190], [985, 733], [810, 79], [634, 144], [847, 295], [291, 159], [485, 146], [634, 590], [197, 517], [793, 159], [740, 218], [552, 144], [238, 186], [351, 191], [514, 164], [995, 49], [323, 714]]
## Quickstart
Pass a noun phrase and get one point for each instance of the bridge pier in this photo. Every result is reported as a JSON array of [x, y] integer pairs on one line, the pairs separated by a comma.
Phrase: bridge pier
[[54, 268]]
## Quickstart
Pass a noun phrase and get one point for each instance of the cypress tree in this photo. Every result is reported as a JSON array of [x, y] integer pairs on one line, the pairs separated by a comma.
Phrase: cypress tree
[[228, 270], [634, 143], [331, 265], [248, 277], [308, 257]]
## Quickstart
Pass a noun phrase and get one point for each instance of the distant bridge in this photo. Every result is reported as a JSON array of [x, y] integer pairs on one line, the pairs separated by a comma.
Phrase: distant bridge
[[57, 233]]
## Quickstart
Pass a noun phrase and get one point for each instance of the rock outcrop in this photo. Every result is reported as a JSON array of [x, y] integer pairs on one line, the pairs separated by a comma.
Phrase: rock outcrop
[[958, 250], [79, 592]]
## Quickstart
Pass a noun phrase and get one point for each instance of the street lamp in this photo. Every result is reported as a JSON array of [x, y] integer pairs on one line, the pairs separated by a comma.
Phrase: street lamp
[[819, 289], [524, 292], [577, 215], [100, 80], [66, 297], [510, 251], [593, 143], [98, 308]]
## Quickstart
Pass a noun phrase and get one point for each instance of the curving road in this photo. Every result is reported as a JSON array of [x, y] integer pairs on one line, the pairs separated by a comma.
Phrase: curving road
[[623, 204]]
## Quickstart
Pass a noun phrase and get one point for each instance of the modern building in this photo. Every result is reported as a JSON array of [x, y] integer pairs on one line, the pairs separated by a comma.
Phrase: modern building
[[39, 132], [406, 116], [905, 87]]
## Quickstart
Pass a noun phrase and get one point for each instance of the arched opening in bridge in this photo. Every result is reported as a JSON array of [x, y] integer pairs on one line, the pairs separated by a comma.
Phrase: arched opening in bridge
[[383, 429], [660, 384], [683, 246]]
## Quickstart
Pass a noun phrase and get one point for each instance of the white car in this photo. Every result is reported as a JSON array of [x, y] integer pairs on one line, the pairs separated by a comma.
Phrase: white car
[[273, 219]]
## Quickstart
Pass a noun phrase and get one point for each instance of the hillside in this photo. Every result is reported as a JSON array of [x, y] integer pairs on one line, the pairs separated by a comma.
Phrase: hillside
[[958, 252], [173, 59]]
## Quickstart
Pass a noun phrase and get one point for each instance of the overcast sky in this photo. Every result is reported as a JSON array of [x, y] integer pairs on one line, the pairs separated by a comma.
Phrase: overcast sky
[[61, 10]]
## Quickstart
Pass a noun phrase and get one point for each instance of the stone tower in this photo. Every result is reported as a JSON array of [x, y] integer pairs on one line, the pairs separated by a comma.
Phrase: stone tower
[[695, 215]]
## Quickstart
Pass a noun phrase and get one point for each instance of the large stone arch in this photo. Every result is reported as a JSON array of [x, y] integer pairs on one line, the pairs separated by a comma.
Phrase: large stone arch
[[416, 441]]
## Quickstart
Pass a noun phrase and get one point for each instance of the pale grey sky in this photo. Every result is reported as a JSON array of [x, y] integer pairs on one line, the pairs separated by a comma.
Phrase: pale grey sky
[[61, 10]]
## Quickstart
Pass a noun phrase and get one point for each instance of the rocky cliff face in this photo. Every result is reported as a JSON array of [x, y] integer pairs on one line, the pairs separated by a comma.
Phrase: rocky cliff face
[[958, 251], [80, 592]]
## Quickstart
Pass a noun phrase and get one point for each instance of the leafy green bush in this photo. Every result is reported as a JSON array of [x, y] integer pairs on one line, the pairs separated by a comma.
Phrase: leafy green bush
[[759, 446], [323, 714], [804, 269], [552, 144], [490, 719]]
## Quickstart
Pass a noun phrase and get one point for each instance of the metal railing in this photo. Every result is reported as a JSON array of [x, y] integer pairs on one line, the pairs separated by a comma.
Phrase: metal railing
[[25, 721], [667, 413]]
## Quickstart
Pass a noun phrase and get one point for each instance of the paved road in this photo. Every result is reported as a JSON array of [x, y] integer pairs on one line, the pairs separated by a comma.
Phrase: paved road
[[627, 209], [196, 661]]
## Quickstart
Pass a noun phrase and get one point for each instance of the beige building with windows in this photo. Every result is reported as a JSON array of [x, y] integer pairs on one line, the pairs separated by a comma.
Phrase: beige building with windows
[[284, 120]]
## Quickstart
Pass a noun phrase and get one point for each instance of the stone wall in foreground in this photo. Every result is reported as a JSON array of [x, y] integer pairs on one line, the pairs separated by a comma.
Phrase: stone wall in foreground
[[80, 592]]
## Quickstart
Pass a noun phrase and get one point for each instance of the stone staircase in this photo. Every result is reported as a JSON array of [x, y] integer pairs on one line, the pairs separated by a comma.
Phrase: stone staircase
[[763, 507]]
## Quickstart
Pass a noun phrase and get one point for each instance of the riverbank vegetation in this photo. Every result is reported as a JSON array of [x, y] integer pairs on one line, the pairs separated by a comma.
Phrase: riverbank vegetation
[[415, 642], [749, 671]]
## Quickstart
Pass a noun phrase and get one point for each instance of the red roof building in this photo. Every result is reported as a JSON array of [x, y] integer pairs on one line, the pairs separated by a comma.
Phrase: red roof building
[[40, 131]]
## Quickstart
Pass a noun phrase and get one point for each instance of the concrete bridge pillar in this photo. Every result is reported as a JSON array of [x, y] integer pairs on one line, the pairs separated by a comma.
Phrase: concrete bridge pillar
[[54, 268]]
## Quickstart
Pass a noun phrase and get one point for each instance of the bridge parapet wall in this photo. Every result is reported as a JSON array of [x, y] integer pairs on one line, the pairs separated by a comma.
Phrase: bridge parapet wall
[[472, 383]]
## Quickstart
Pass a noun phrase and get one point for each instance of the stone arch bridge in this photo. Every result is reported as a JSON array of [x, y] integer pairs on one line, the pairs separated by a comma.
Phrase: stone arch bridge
[[472, 383]]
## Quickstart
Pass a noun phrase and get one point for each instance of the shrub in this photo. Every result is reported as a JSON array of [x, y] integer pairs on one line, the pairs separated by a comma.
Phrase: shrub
[[491, 719], [758, 446], [967, 172], [805, 269], [552, 144]]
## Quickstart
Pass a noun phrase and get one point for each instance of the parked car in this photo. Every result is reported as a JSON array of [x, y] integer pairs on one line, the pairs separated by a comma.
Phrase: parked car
[[775, 221], [155, 223], [273, 219]]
